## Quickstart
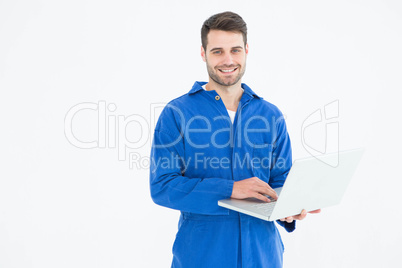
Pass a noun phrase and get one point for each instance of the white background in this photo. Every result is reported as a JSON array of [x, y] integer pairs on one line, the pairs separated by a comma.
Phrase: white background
[[64, 206]]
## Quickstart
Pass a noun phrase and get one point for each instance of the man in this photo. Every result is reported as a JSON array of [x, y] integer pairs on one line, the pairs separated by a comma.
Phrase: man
[[221, 140]]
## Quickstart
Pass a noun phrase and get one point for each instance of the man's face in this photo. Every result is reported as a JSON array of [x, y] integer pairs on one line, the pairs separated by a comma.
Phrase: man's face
[[225, 56]]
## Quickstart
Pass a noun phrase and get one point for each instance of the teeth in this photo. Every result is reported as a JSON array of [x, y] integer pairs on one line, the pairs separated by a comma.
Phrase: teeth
[[228, 71]]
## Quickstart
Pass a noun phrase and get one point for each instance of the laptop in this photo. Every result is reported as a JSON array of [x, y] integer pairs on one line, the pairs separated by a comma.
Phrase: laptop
[[312, 183]]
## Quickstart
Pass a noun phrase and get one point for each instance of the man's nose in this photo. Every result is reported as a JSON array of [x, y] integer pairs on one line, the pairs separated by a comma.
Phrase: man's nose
[[228, 60]]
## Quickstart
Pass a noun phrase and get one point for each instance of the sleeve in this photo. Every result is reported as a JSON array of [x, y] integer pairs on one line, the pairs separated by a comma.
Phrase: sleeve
[[281, 154], [289, 227], [170, 188], [282, 162]]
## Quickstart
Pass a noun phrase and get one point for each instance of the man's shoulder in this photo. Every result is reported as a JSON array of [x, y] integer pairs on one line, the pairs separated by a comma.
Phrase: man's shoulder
[[180, 103], [260, 103], [179, 106], [180, 100], [176, 111], [188, 99], [267, 106]]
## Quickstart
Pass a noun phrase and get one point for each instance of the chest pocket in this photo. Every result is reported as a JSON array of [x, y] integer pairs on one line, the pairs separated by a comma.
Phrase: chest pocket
[[261, 161]]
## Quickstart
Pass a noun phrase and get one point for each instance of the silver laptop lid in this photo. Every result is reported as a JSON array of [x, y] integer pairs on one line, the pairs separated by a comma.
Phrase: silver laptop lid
[[313, 183]]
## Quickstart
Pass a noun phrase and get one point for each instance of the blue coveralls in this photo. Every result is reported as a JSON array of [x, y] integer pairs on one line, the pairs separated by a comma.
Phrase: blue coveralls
[[197, 154]]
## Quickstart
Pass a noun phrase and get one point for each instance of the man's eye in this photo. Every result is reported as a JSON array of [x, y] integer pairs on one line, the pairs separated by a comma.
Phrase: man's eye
[[236, 50], [217, 52]]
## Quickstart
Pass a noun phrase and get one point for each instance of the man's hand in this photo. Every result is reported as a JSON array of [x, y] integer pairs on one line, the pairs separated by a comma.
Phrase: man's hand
[[253, 187], [301, 216]]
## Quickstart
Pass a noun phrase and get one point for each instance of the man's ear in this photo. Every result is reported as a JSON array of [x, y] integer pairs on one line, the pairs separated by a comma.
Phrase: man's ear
[[247, 49], [203, 54]]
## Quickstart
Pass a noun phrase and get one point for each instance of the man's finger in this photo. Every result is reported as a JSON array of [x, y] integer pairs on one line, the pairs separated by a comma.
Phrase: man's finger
[[264, 188], [315, 211], [301, 216], [261, 197], [289, 219], [267, 190]]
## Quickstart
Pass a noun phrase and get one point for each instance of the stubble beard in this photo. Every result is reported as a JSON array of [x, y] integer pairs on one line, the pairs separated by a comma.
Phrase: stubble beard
[[215, 77]]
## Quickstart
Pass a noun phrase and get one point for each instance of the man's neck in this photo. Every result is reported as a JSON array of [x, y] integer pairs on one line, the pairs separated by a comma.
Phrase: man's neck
[[230, 95]]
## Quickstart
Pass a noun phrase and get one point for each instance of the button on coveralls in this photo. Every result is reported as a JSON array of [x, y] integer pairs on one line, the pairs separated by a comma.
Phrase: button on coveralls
[[197, 154]]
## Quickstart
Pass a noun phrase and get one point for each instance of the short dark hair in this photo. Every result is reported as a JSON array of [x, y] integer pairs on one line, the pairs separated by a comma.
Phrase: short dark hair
[[225, 21]]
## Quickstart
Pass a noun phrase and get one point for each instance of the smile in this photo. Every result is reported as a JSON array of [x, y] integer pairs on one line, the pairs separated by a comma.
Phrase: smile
[[227, 71]]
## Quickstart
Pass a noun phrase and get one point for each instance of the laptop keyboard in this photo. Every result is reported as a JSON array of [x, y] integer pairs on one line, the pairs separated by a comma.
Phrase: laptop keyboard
[[265, 208]]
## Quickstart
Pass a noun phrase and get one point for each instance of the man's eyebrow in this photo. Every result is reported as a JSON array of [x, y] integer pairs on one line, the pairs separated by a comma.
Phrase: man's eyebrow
[[218, 48]]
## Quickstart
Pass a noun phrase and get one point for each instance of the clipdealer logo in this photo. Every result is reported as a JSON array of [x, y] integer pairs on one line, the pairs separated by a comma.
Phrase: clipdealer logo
[[324, 120], [112, 130]]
